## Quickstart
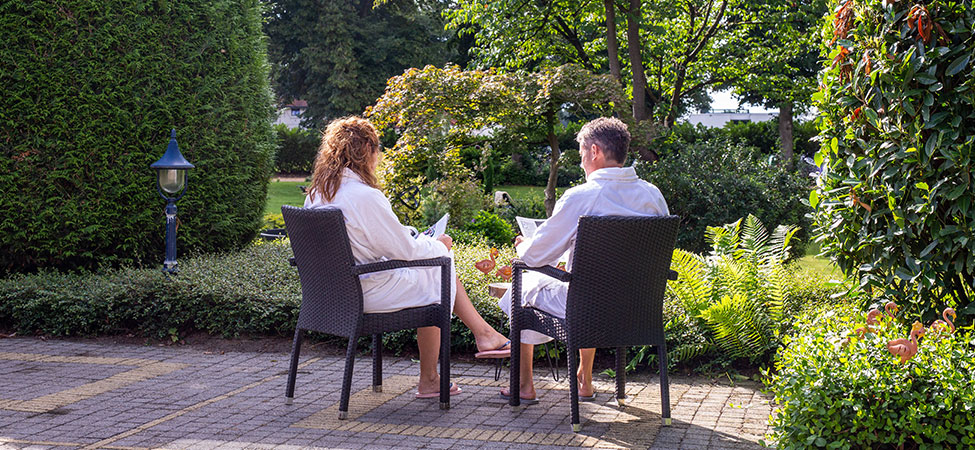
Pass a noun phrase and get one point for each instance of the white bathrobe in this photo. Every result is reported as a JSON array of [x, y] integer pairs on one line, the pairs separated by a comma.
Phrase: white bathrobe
[[611, 191], [377, 235]]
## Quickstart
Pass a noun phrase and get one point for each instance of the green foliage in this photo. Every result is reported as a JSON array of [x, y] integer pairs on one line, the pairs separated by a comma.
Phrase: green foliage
[[495, 230], [835, 390], [91, 90], [716, 180], [460, 197], [732, 302], [338, 54], [297, 149], [254, 291], [273, 220], [895, 207], [251, 292]]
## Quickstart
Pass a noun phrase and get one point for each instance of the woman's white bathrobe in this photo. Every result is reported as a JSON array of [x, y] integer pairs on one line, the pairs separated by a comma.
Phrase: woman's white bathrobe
[[377, 235], [611, 191]]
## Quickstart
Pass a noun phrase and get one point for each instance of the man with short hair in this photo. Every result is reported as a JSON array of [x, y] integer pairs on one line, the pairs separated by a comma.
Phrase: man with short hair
[[610, 189]]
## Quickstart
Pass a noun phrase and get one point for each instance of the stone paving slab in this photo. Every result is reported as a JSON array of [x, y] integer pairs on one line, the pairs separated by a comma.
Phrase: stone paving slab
[[76, 395]]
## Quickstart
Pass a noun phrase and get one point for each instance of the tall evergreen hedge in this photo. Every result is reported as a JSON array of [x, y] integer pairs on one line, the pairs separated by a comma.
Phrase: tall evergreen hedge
[[91, 89]]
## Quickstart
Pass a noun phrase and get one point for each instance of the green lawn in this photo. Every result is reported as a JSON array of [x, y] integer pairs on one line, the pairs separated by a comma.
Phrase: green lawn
[[283, 193], [517, 192], [812, 261]]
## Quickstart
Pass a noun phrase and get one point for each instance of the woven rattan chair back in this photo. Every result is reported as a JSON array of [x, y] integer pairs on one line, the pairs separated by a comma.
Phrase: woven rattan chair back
[[619, 274], [331, 293]]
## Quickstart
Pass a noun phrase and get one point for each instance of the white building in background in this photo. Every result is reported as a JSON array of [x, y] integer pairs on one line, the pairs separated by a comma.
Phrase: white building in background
[[290, 114], [718, 118]]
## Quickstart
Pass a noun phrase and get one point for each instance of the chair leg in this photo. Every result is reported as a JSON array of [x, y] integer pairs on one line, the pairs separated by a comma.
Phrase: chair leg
[[289, 392], [621, 375], [377, 362], [445, 365], [573, 355], [514, 374], [664, 384], [554, 368], [498, 365], [347, 378]]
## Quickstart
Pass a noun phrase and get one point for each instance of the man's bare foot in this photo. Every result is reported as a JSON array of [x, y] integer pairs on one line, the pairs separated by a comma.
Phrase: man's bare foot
[[428, 386], [585, 385], [525, 394]]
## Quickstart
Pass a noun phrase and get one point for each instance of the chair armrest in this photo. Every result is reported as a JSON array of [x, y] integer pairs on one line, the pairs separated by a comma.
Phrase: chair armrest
[[396, 264], [293, 261], [672, 275], [553, 272]]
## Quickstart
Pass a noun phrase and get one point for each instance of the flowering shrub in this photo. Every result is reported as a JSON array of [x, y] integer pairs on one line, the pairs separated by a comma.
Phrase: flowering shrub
[[838, 390]]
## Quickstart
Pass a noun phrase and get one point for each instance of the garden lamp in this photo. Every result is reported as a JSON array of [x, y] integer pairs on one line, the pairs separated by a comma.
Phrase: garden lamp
[[171, 182]]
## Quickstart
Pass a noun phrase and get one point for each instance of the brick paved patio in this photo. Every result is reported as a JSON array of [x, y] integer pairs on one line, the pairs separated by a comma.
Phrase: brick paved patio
[[77, 395]]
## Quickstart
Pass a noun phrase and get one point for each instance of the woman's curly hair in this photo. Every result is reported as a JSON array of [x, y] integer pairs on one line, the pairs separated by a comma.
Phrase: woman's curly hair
[[347, 142]]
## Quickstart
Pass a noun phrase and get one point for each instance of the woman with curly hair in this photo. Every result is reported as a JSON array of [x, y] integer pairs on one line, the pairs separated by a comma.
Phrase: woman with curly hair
[[344, 177]]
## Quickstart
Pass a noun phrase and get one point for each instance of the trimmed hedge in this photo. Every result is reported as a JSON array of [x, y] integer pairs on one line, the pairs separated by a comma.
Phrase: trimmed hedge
[[251, 292], [91, 90]]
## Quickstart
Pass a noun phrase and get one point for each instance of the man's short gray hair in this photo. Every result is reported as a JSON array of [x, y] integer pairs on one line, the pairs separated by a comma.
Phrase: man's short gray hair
[[610, 134]]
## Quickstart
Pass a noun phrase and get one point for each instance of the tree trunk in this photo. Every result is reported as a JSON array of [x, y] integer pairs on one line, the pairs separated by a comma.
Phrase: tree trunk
[[612, 45], [640, 112], [785, 133], [553, 167]]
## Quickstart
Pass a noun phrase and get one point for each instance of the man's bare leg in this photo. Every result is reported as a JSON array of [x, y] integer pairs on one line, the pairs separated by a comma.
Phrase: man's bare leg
[[486, 337], [526, 383], [428, 339], [586, 357]]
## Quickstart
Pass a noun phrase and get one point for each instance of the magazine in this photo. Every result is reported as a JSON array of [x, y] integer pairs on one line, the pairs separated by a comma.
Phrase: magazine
[[528, 226], [436, 229]]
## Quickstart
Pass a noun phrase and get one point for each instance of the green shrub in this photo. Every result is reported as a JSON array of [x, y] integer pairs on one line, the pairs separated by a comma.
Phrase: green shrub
[[250, 292], [273, 220], [495, 230], [297, 149], [459, 196], [91, 91], [718, 181], [254, 291], [897, 103], [838, 391]]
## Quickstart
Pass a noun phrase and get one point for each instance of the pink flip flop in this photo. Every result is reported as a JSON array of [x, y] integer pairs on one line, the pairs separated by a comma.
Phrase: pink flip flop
[[454, 390], [500, 352]]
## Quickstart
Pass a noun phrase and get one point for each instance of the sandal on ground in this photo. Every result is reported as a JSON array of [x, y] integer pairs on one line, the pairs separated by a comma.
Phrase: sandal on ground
[[454, 390]]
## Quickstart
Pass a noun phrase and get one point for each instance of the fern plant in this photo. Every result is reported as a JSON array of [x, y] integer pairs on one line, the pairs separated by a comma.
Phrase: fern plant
[[734, 295]]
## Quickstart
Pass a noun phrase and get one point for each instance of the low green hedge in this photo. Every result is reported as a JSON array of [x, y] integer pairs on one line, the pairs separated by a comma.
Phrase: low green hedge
[[251, 292], [835, 391]]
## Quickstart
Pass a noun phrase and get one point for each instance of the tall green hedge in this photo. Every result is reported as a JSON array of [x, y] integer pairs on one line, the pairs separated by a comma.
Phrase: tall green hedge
[[91, 89]]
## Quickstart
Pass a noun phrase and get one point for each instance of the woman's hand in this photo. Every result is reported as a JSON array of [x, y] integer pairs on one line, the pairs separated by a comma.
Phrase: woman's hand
[[519, 239], [446, 240]]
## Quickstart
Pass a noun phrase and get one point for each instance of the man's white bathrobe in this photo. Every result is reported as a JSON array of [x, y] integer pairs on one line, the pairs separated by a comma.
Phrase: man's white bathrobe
[[377, 235], [611, 191]]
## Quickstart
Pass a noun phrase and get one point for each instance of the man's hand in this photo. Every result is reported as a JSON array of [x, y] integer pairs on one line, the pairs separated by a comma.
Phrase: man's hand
[[446, 240]]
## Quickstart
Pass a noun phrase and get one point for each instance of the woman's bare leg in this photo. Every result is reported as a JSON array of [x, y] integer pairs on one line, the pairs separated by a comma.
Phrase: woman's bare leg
[[526, 385], [487, 338], [428, 339]]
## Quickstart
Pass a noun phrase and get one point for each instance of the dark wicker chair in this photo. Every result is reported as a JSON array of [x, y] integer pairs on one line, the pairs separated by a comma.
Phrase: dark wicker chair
[[620, 269], [331, 297]]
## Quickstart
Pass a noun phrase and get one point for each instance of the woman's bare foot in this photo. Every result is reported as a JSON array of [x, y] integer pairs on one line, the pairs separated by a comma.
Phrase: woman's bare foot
[[585, 385], [492, 341]]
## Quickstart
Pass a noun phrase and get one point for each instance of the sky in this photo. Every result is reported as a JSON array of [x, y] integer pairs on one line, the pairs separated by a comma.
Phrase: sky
[[725, 100]]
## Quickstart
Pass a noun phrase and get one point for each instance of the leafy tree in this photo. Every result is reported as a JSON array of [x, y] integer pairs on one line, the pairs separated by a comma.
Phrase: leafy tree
[[676, 49], [438, 110], [781, 72], [338, 54], [897, 103]]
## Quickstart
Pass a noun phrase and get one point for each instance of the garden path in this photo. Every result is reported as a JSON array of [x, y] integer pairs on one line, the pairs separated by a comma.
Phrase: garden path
[[92, 394]]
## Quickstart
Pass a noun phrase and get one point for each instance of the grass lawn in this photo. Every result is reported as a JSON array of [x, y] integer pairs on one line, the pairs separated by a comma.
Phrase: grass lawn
[[812, 261], [283, 193], [517, 192]]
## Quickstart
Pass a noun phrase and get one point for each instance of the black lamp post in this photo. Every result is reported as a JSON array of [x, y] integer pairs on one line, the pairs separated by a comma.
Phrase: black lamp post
[[171, 181]]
